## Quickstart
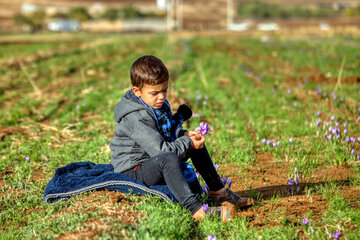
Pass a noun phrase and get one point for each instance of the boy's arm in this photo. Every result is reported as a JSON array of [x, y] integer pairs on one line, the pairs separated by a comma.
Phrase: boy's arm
[[145, 133]]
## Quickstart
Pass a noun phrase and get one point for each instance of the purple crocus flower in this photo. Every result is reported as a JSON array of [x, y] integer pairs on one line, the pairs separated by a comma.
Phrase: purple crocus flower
[[205, 207], [289, 91], [319, 113], [229, 182], [353, 152], [197, 175], [77, 107], [358, 156], [344, 125], [290, 182], [329, 137], [274, 144], [277, 143], [224, 180], [347, 139], [352, 139], [84, 105], [359, 118], [204, 190], [216, 166], [337, 235], [268, 142], [211, 237], [333, 131], [204, 128], [345, 131], [358, 139], [207, 187], [337, 136], [327, 124], [332, 118], [324, 95], [297, 181], [305, 221], [296, 170], [247, 99], [263, 140], [298, 189], [295, 104], [336, 124], [318, 123], [290, 140], [27, 158]]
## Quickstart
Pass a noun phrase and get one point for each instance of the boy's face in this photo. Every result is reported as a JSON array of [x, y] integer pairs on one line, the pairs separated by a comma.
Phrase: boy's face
[[153, 96]]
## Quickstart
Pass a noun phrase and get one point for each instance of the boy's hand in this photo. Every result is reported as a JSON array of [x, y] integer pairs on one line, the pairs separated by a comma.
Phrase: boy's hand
[[192, 133], [198, 140]]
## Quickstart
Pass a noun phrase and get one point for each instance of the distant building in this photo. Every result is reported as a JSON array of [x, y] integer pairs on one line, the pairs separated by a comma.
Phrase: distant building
[[28, 8], [59, 25]]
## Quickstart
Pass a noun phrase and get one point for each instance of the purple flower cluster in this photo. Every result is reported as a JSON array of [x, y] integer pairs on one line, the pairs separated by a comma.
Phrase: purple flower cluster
[[320, 92], [227, 181], [336, 132], [204, 128], [294, 180], [270, 143]]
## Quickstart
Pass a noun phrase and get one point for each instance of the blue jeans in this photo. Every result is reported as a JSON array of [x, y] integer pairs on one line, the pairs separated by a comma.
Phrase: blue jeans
[[166, 168]]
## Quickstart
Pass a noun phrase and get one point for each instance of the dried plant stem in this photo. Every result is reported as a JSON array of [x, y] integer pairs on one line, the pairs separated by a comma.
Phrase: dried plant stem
[[338, 82], [29, 79], [201, 72]]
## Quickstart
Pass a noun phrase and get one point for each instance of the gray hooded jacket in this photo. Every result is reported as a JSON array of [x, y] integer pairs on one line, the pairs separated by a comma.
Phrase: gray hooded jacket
[[137, 137]]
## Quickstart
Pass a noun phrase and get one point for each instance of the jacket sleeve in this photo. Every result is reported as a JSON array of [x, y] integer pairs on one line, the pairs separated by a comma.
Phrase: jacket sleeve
[[145, 133]]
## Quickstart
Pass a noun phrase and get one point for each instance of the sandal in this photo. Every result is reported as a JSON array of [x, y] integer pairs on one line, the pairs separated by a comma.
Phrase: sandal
[[231, 197], [221, 211]]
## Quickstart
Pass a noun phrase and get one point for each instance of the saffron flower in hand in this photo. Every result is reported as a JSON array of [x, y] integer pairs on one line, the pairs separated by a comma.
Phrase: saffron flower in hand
[[204, 128], [305, 221]]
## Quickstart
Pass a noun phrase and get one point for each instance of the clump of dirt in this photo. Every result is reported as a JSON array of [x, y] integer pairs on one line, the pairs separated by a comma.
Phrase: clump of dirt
[[6, 131], [288, 209], [332, 173]]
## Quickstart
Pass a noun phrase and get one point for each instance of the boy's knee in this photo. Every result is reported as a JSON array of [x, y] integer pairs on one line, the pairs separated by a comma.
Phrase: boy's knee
[[168, 159]]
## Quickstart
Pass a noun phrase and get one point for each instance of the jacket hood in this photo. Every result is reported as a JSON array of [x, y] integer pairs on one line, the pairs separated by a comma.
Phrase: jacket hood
[[129, 103]]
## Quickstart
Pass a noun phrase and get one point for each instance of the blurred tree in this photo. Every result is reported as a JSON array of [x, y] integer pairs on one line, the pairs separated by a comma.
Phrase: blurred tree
[[131, 12], [111, 14], [79, 13], [35, 21]]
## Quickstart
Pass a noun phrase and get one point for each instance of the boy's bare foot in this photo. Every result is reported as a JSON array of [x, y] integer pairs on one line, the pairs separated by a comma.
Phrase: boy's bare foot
[[226, 195], [200, 214]]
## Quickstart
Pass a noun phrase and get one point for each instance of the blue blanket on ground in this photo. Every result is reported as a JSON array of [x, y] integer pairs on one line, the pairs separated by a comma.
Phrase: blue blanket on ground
[[79, 177]]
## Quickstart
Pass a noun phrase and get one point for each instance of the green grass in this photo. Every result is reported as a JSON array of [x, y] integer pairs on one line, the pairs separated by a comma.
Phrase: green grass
[[238, 85]]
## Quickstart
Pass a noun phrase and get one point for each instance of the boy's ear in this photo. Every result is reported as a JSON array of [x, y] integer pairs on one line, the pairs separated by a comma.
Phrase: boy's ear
[[136, 91]]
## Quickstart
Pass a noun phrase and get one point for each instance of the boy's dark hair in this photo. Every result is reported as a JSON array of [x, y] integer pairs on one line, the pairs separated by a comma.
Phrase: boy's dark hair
[[148, 70]]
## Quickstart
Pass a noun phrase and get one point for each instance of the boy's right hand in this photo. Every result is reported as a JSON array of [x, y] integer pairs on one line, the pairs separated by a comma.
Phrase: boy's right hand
[[198, 140]]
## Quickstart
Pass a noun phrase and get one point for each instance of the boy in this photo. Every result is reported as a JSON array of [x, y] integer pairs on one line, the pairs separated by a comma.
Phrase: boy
[[148, 145]]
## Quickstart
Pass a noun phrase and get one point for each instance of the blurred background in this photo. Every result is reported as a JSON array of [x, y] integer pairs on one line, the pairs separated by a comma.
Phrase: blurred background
[[242, 16]]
